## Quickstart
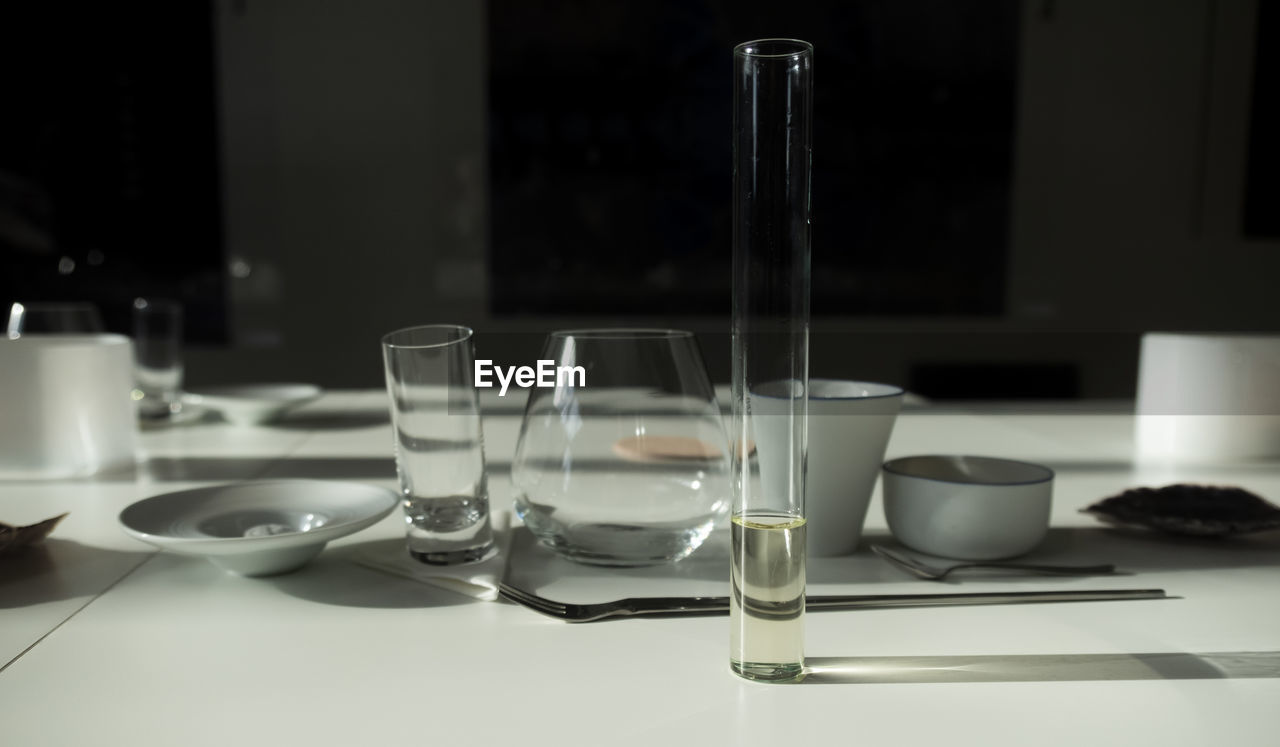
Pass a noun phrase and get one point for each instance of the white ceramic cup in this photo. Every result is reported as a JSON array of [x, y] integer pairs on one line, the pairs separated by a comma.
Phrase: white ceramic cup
[[849, 424], [68, 409], [1208, 397]]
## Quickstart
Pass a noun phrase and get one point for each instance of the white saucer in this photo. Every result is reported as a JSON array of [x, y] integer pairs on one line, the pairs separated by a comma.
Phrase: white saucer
[[257, 528], [251, 404]]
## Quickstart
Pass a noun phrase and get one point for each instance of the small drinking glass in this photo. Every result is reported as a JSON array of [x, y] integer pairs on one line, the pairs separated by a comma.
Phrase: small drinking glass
[[157, 350], [622, 460], [439, 444]]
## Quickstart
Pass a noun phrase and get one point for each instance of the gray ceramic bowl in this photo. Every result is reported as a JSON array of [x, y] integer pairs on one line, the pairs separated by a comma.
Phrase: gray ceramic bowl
[[257, 528], [967, 507]]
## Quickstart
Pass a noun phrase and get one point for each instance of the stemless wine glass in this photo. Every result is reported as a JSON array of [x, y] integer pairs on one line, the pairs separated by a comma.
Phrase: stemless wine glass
[[622, 459]]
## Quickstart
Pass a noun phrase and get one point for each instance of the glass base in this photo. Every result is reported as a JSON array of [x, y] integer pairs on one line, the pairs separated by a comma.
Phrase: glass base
[[455, 557], [150, 409], [768, 671], [622, 545]]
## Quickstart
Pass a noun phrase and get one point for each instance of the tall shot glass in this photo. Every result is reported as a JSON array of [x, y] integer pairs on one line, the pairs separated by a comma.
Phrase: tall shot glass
[[439, 444], [157, 348], [772, 105]]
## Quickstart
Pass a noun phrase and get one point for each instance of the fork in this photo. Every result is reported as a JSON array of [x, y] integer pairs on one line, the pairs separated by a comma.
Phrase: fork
[[666, 606], [933, 573]]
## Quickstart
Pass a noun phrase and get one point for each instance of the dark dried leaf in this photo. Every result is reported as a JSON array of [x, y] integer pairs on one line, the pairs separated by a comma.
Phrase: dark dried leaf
[[12, 538], [1202, 510]]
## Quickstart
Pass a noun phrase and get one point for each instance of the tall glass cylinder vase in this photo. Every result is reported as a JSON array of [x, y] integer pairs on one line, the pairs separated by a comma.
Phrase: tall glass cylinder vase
[[773, 85]]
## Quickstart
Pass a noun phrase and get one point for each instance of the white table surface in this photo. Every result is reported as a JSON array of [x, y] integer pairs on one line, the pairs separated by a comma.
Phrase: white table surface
[[103, 640]]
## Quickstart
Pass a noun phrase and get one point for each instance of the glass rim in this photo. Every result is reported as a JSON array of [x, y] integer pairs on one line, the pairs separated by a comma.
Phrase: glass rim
[[798, 48], [623, 333], [64, 339], [51, 305], [464, 333]]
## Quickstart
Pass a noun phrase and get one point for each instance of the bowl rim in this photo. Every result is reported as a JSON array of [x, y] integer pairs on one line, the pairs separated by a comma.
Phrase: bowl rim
[[267, 393], [898, 466]]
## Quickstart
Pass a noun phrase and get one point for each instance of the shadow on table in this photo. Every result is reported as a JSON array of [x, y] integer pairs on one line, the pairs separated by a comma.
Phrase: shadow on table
[[329, 468], [335, 578], [1133, 552], [1137, 556], [201, 469], [886, 670], [58, 569], [1227, 472], [1138, 551], [332, 420]]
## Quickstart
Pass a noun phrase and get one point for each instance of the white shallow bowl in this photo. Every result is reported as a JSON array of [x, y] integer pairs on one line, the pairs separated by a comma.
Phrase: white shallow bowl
[[257, 528], [251, 404], [967, 507]]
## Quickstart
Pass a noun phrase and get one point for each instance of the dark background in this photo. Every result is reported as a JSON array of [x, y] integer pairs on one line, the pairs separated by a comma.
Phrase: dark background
[[109, 170], [609, 179], [1006, 194]]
